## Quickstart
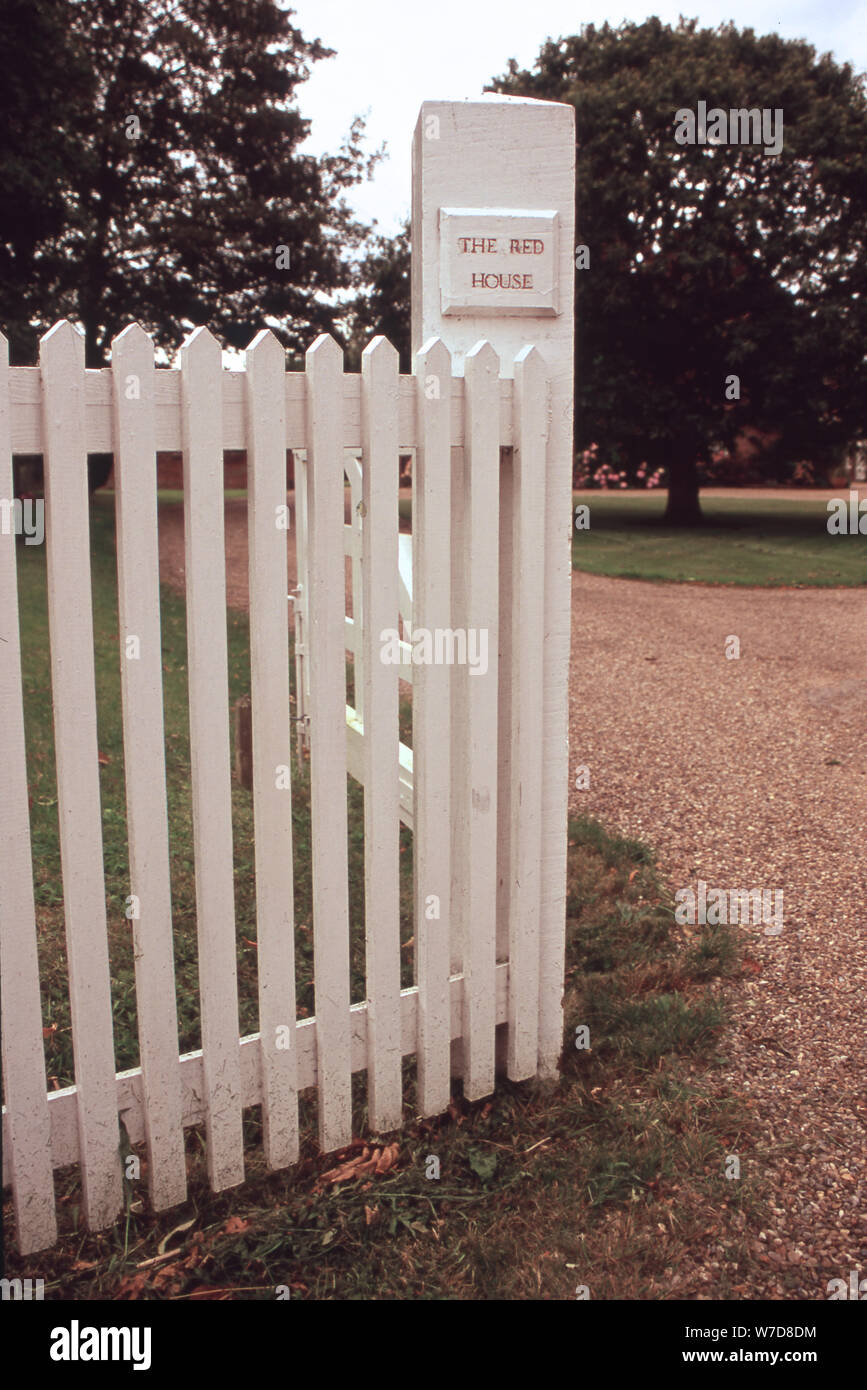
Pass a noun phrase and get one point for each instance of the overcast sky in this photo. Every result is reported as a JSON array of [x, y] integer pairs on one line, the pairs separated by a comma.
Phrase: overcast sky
[[394, 54]]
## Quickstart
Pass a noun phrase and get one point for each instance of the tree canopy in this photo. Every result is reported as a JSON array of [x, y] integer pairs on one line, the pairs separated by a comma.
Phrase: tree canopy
[[383, 303], [151, 171], [726, 284]]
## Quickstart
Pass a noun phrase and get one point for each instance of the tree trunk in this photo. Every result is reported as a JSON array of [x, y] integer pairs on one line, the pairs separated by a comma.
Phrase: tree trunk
[[684, 507]]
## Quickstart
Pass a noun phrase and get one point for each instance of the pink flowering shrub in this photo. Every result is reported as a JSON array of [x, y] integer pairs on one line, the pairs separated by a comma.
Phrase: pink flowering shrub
[[589, 473]]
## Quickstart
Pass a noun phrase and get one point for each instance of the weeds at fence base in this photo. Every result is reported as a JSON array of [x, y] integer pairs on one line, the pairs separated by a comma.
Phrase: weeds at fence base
[[612, 1177]]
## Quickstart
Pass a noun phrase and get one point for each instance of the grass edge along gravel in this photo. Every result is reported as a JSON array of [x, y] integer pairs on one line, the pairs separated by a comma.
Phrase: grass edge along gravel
[[610, 1181], [760, 542]]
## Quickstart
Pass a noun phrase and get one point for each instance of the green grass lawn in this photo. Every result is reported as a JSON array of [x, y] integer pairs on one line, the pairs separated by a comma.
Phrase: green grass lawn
[[767, 542]]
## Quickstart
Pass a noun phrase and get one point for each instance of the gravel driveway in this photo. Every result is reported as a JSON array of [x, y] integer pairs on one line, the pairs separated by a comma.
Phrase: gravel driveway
[[753, 773], [746, 773]]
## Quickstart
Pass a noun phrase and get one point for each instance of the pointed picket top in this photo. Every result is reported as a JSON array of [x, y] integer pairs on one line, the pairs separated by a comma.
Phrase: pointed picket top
[[4, 347], [265, 347], [64, 340], [131, 339], [325, 355], [133, 349], [530, 368], [379, 349], [265, 359], [434, 361], [529, 352], [201, 348], [434, 352], [482, 359], [379, 362]]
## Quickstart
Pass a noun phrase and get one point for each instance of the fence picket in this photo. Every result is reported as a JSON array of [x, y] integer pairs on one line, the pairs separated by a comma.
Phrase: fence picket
[[480, 504], [379, 604], [272, 734], [527, 652], [431, 725], [138, 571], [70, 621], [23, 1056], [327, 608], [459, 717], [205, 564]]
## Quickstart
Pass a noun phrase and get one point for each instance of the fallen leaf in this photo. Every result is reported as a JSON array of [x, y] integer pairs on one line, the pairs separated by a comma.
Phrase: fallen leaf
[[363, 1164], [169, 1274], [235, 1226], [130, 1288], [388, 1158], [104, 759], [333, 1175]]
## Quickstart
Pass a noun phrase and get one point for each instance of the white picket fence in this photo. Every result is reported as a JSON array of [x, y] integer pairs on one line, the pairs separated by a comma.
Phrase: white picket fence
[[479, 485]]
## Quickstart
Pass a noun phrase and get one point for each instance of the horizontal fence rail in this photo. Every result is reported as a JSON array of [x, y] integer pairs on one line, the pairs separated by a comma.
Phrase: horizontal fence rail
[[27, 427], [470, 789]]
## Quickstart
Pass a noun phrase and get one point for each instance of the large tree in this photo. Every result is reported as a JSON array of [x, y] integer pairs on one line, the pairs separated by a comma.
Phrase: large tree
[[37, 147], [712, 261], [150, 170]]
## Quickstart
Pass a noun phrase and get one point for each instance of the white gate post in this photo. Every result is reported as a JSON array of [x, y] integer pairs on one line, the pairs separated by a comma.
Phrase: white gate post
[[493, 245]]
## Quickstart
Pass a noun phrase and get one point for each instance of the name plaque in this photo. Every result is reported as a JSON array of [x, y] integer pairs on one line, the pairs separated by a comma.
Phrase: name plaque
[[498, 261]]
